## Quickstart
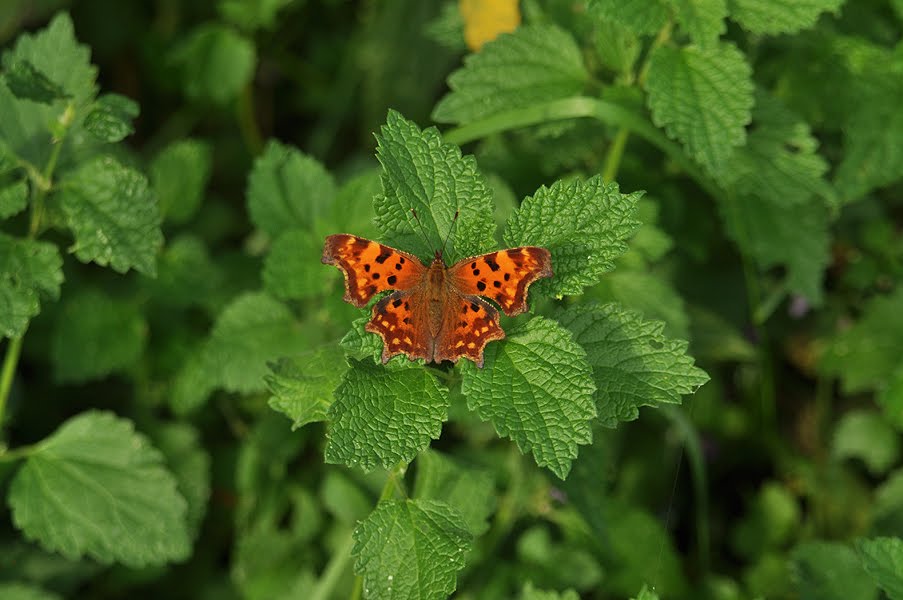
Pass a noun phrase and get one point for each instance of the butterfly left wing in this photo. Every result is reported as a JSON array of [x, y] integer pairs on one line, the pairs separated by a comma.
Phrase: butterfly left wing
[[503, 276], [400, 320]]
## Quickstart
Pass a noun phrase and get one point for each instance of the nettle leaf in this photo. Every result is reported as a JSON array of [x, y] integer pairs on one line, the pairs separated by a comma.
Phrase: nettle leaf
[[113, 215], [780, 16], [216, 63], [28, 83], [468, 489], [536, 388], [179, 175], [303, 386], [584, 224], [533, 64], [640, 16], [410, 549], [288, 190], [651, 294], [633, 363], [292, 270], [13, 199], [96, 335], [703, 20], [361, 344], [830, 571], [423, 173], [703, 98], [382, 416], [22, 591], [29, 270], [866, 355], [95, 487], [110, 120], [882, 558]]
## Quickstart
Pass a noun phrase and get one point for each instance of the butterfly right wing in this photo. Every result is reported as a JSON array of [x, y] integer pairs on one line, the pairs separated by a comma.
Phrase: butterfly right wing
[[400, 319], [469, 324]]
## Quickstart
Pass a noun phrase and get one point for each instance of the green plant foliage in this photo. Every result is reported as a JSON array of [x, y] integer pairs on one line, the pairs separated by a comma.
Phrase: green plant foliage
[[781, 16], [29, 270], [828, 571], [868, 437], [302, 387], [703, 20], [13, 199], [640, 16], [178, 175], [21, 591], [466, 488], [882, 558], [215, 63], [110, 120]]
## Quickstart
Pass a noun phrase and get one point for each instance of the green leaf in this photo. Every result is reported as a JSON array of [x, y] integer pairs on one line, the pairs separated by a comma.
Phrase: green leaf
[[28, 83], [646, 594], [887, 513], [190, 465], [531, 65], [303, 386], [890, 398], [769, 523], [882, 559], [22, 591], [29, 270], [640, 16], [186, 276], [866, 355], [288, 190], [95, 487], [867, 436], [216, 63], [584, 224], [361, 344], [293, 270], [96, 335], [468, 489], [410, 549], [536, 388], [528, 592], [13, 199], [110, 120], [703, 20], [423, 173], [252, 14], [830, 571], [633, 363], [383, 416], [179, 175], [113, 215], [772, 17], [703, 98], [649, 294]]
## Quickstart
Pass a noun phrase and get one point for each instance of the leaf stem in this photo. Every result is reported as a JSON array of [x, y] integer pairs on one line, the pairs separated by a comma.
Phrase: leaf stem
[[334, 570], [247, 122], [614, 155], [13, 350]]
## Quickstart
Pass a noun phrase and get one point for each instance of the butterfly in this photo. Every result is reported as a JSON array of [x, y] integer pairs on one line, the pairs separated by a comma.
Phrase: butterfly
[[435, 312]]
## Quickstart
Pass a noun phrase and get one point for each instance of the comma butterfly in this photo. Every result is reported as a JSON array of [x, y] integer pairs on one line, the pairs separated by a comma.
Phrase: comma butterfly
[[435, 312]]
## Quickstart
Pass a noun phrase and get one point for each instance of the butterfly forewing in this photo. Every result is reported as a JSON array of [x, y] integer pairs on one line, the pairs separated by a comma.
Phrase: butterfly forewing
[[503, 276]]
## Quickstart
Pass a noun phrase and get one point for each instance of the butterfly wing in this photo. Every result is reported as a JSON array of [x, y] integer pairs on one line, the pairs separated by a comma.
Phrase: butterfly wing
[[469, 324], [370, 267], [503, 276], [400, 320]]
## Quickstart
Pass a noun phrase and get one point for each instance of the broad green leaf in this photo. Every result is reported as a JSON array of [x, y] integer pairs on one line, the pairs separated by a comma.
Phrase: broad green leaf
[[869, 437], [288, 190], [468, 489], [383, 416], [890, 398], [95, 487], [186, 275], [13, 199], [28, 83], [633, 363], [303, 386], [344, 499], [29, 270], [882, 559], [703, 98], [584, 224], [866, 355], [410, 549], [531, 65], [649, 294], [96, 335], [22, 591], [216, 63], [189, 463], [780, 16], [179, 175], [770, 521], [293, 270], [536, 388], [423, 173], [252, 14], [528, 592], [192, 385], [640, 16], [361, 344], [703, 20], [830, 571], [110, 119], [113, 215]]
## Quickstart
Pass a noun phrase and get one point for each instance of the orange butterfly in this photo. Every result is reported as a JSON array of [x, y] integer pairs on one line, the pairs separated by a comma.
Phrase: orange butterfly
[[435, 312]]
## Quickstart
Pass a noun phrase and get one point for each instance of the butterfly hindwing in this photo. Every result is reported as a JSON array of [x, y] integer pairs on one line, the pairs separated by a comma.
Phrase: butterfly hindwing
[[469, 324], [399, 320], [503, 276]]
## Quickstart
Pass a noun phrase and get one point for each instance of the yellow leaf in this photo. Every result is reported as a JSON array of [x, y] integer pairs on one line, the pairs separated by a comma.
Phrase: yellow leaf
[[485, 20]]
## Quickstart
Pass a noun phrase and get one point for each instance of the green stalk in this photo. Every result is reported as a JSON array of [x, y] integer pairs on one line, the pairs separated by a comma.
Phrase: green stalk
[[334, 570], [247, 122], [13, 349], [614, 155]]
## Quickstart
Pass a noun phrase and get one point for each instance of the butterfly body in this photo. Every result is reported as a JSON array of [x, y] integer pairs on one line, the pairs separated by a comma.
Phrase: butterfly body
[[435, 312]]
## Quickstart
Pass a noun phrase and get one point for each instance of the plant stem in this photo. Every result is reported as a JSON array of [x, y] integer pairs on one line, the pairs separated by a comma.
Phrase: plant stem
[[333, 571], [247, 121], [13, 349], [614, 155]]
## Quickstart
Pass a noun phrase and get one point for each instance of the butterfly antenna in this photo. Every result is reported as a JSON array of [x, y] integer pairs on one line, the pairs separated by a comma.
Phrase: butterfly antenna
[[422, 230], [448, 235]]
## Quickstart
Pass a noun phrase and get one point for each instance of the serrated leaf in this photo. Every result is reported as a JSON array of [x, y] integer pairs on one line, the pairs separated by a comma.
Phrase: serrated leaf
[[536, 388], [22, 591], [531, 65], [293, 271], [179, 175], [830, 571], [189, 463], [867, 354], [468, 489], [28, 83], [423, 173], [29, 270], [303, 386], [703, 98], [772, 17], [383, 416], [110, 120], [633, 363], [703, 20], [640, 16], [113, 215], [649, 294], [288, 190], [867, 436], [584, 224], [252, 14], [882, 559], [97, 488], [96, 335], [361, 344], [13, 199], [410, 549], [216, 63]]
